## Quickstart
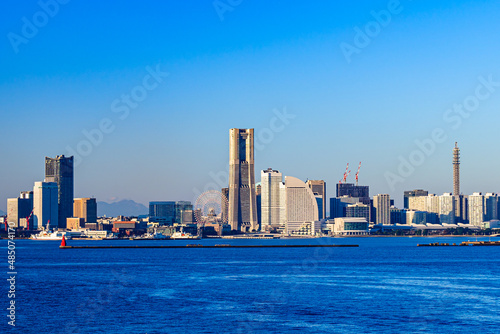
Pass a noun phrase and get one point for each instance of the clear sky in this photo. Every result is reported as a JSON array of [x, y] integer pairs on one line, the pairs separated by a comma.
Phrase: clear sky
[[358, 90]]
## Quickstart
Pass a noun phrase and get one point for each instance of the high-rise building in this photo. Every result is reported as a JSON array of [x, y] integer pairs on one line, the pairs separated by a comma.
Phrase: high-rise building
[[60, 171], [476, 209], [447, 208], [242, 212], [162, 212], [225, 204], [258, 196], [180, 207], [456, 170], [301, 205], [358, 210], [45, 205], [382, 205], [491, 206], [85, 208], [398, 216], [319, 188], [338, 205], [412, 193], [19, 209], [273, 199], [461, 209], [349, 189]]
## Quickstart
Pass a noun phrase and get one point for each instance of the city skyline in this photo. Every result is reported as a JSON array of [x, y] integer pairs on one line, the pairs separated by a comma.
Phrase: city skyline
[[293, 84]]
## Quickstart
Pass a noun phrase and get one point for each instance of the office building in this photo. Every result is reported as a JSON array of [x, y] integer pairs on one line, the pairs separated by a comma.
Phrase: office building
[[398, 216], [416, 217], [75, 223], [491, 206], [349, 189], [180, 207], [358, 210], [338, 205], [273, 199], [85, 208], [413, 193], [162, 212], [19, 209], [242, 212], [301, 205], [60, 171], [476, 209], [382, 205], [318, 187], [45, 205], [461, 209]]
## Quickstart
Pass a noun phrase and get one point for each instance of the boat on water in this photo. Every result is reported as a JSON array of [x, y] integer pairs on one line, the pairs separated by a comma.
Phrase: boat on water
[[152, 236], [181, 235], [184, 236], [49, 235]]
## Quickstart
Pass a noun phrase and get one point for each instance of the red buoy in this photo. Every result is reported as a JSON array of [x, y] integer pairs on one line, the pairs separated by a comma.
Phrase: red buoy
[[63, 242]]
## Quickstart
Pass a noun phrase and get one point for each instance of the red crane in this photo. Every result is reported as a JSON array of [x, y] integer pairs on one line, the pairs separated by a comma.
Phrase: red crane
[[28, 220], [357, 174], [345, 174]]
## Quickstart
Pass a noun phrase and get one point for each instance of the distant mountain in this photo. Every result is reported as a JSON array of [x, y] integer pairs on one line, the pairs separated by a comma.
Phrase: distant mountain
[[122, 208]]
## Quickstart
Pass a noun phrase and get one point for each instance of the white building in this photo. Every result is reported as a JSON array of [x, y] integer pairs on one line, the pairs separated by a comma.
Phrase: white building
[[476, 209], [351, 226], [273, 199], [45, 207], [382, 205], [301, 205], [447, 209]]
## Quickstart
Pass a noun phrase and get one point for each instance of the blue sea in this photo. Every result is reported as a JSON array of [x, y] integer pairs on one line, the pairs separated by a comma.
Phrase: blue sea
[[387, 285]]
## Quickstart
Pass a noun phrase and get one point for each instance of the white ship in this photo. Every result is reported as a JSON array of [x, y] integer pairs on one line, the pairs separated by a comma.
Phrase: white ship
[[48, 235], [184, 236]]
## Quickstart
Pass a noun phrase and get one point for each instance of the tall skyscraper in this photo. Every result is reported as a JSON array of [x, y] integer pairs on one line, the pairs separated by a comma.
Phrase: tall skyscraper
[[273, 199], [476, 209], [85, 208], [382, 205], [447, 209], [242, 211], [60, 171], [45, 207], [319, 187], [456, 170]]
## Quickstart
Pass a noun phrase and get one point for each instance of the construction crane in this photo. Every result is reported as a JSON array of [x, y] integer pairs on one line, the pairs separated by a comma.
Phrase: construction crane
[[345, 174], [28, 219], [357, 174]]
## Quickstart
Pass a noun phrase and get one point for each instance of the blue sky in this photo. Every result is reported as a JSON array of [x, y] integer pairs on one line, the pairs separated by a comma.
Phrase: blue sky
[[237, 72]]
